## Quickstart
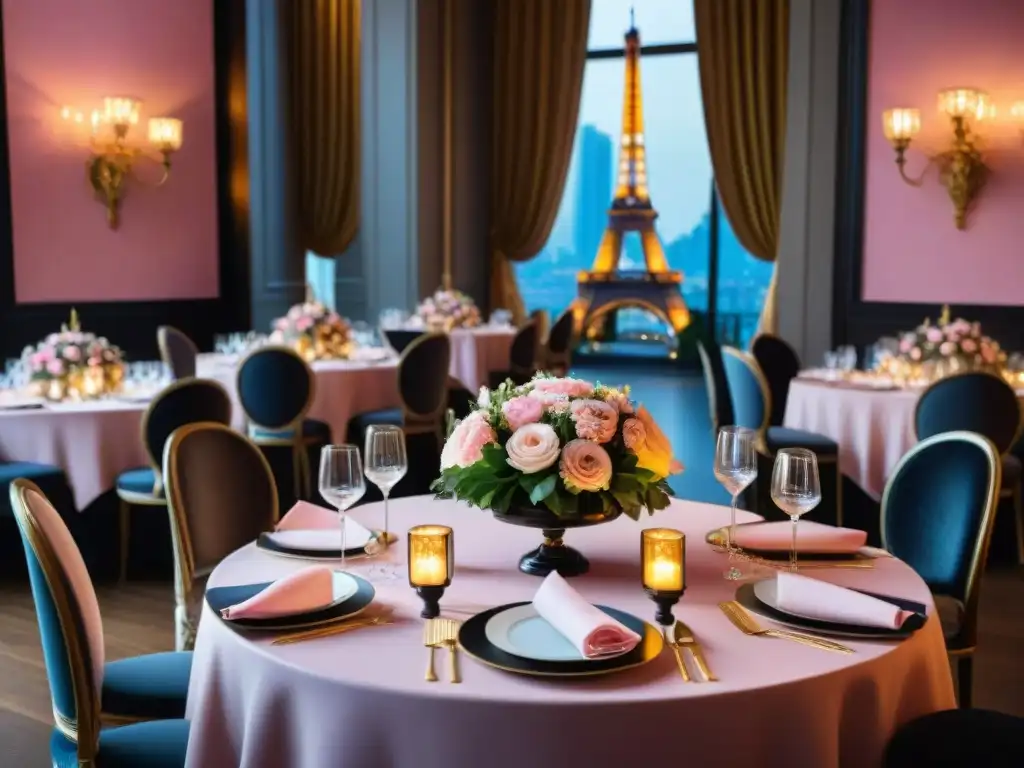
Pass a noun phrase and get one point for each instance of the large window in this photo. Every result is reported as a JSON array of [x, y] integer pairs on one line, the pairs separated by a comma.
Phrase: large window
[[723, 284]]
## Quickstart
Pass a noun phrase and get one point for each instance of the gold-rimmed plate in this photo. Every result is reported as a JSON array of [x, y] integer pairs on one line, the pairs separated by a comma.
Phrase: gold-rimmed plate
[[474, 642]]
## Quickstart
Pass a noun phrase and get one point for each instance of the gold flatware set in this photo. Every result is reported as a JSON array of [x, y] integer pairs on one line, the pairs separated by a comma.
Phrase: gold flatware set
[[747, 624], [682, 639], [438, 633]]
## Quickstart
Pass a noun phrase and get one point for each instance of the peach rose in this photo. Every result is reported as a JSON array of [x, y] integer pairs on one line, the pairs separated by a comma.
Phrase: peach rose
[[618, 400], [522, 410], [465, 445], [633, 434], [532, 447], [595, 420], [566, 386], [585, 466], [655, 454]]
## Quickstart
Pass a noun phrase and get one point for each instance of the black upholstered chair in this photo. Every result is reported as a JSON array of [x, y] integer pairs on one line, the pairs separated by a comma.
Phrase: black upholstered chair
[[752, 407], [423, 387], [220, 496], [180, 403], [399, 338], [522, 357], [542, 319], [139, 694], [178, 352], [956, 738], [780, 364], [937, 513], [558, 351], [719, 399], [276, 389], [986, 404], [461, 401]]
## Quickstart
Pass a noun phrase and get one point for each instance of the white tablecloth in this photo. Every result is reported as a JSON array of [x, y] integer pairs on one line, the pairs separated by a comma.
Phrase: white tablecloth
[[477, 352]]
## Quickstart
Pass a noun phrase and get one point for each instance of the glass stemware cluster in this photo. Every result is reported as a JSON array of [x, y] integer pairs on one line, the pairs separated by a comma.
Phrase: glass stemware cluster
[[796, 488], [735, 469]]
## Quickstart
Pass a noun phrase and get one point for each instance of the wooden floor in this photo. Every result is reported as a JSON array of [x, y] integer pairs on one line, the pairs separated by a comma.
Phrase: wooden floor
[[137, 619]]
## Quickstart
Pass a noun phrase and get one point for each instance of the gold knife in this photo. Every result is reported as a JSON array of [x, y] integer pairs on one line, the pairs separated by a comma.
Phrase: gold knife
[[684, 636]]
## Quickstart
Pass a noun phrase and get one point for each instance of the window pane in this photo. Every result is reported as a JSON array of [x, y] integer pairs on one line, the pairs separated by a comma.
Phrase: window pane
[[659, 22], [679, 175], [742, 286], [320, 277]]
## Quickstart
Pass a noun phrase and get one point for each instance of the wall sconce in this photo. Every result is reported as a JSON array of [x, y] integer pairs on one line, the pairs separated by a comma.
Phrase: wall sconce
[[962, 171], [112, 160]]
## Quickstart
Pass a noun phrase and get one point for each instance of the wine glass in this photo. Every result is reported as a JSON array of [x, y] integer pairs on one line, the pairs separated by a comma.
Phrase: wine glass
[[386, 462], [341, 481], [735, 469], [796, 489]]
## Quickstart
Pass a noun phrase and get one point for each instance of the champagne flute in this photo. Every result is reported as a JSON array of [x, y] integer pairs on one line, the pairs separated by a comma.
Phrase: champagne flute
[[341, 481], [735, 469], [796, 489], [386, 462]]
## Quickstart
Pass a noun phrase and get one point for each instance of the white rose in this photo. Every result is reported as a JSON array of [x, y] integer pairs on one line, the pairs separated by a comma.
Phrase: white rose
[[483, 400], [533, 447]]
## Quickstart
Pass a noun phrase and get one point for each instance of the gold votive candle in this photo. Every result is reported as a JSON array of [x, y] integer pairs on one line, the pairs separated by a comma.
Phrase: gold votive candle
[[663, 560], [431, 554]]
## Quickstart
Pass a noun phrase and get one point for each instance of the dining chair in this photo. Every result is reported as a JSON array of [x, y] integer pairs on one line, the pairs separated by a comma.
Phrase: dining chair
[[938, 507], [144, 695], [715, 384], [542, 319], [752, 406], [984, 403], [179, 403], [399, 338], [423, 390], [980, 738], [558, 352], [522, 358], [461, 400], [780, 364], [178, 352], [276, 389], [221, 495]]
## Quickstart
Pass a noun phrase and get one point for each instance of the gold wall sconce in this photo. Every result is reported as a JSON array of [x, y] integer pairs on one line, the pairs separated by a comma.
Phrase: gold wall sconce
[[962, 170], [112, 159]]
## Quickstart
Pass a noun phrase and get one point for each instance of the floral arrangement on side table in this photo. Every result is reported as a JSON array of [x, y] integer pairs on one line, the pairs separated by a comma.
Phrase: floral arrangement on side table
[[931, 351], [74, 364], [557, 453], [448, 309], [314, 331]]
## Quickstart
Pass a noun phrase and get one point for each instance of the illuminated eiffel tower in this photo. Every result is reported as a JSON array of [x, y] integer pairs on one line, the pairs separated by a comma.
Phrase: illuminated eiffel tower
[[605, 288]]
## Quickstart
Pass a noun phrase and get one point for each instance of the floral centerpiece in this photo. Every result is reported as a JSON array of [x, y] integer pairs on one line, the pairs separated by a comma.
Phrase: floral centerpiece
[[447, 309], [74, 364], [315, 331], [557, 453], [931, 351]]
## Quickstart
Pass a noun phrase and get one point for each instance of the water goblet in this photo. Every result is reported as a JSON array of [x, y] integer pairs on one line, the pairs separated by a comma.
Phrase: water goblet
[[735, 469], [341, 481], [796, 488], [386, 462]]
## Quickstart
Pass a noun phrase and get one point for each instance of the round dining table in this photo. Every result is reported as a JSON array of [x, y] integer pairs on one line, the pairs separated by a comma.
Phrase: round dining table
[[360, 699]]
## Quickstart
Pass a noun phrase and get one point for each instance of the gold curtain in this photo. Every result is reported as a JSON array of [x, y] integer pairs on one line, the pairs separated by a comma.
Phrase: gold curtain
[[743, 54], [323, 52], [540, 50]]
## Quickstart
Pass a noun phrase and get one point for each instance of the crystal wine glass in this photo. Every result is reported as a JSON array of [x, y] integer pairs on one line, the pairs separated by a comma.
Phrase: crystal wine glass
[[386, 462], [735, 469], [796, 489], [341, 481]]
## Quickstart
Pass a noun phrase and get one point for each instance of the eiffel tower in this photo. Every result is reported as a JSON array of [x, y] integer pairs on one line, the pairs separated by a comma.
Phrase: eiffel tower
[[605, 288]]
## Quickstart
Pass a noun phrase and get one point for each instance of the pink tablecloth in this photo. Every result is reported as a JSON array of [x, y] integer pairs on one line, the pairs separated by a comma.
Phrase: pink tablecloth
[[478, 352], [92, 442], [360, 699]]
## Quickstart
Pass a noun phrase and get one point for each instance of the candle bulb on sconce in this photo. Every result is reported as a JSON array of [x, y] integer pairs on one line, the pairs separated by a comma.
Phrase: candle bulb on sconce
[[431, 564], [663, 565]]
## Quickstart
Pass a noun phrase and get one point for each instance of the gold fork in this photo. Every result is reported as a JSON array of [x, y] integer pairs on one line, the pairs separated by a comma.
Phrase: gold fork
[[431, 639], [331, 629], [449, 633], [749, 626], [674, 644]]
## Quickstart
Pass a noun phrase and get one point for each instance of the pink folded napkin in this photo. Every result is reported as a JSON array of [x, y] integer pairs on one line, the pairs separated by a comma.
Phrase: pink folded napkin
[[591, 630], [815, 599], [810, 537], [305, 590], [310, 517]]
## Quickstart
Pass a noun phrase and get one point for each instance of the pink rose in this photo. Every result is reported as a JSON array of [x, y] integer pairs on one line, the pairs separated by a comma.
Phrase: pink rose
[[569, 387], [72, 353], [55, 367], [595, 420], [905, 346], [947, 348], [988, 354], [94, 361], [281, 324], [465, 445], [934, 335], [969, 345], [585, 466], [303, 323], [522, 410], [532, 448], [915, 354], [633, 434]]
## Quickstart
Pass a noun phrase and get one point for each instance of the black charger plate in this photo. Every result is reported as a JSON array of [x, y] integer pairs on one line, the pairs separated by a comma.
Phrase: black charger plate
[[219, 598], [267, 542], [473, 640]]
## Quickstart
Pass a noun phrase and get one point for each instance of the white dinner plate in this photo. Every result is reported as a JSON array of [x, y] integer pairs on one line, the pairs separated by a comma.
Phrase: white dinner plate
[[356, 537], [522, 632]]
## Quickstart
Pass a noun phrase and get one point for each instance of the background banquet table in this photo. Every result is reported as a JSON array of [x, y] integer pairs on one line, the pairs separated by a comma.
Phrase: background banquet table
[[360, 699], [93, 442], [874, 428], [476, 352]]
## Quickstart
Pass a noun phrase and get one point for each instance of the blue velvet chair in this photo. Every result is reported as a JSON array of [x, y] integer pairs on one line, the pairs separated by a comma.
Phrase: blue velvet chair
[[937, 513], [423, 386], [178, 352], [83, 688], [752, 407], [715, 384], [276, 388], [182, 402], [986, 404], [780, 364], [220, 496]]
